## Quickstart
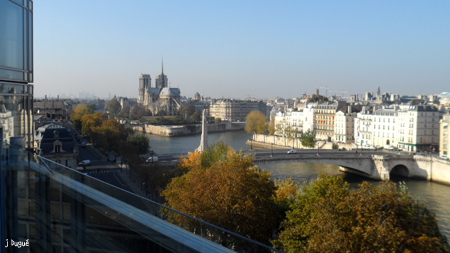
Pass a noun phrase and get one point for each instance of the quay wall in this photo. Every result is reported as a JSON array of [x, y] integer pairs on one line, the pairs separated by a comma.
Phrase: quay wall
[[188, 129]]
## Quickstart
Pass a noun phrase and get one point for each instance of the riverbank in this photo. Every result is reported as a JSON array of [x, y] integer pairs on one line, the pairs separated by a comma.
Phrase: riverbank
[[172, 131]]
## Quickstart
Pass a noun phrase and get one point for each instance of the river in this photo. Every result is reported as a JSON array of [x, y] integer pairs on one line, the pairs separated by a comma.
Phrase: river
[[435, 196]]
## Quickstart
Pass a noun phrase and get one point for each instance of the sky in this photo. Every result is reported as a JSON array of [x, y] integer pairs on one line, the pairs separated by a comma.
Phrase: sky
[[239, 49]]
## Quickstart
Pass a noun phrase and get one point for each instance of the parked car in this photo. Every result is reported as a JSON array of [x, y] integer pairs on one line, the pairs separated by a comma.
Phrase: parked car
[[152, 159], [292, 151], [85, 163]]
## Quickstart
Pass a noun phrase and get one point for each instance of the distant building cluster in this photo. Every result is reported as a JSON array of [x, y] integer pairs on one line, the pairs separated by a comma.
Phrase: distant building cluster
[[409, 123]]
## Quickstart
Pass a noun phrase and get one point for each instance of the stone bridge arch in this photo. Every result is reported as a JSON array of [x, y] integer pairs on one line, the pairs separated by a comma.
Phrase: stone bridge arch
[[361, 165]]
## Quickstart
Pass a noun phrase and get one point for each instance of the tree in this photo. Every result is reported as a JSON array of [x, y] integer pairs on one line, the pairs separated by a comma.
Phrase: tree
[[77, 113], [161, 113], [217, 120], [195, 117], [308, 139], [186, 111], [271, 126], [113, 106], [141, 141], [91, 107], [225, 189], [256, 122], [335, 146], [329, 216], [137, 111]]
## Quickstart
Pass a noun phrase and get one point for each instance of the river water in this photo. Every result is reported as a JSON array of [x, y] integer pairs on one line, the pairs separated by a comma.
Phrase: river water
[[435, 196]]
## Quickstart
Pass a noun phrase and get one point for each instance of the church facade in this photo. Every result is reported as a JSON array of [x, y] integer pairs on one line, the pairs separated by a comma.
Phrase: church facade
[[158, 98]]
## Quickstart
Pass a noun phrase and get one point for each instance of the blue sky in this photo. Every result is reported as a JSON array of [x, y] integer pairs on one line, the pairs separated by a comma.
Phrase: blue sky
[[262, 49]]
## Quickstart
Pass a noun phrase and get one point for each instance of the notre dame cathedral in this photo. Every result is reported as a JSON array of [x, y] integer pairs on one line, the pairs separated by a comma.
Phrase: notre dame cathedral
[[160, 97]]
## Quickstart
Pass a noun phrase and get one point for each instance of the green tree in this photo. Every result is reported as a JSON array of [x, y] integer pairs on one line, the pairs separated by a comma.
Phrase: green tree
[[196, 117], [256, 122], [329, 216], [308, 139], [161, 113], [187, 110], [113, 106], [335, 146], [226, 190], [141, 141], [91, 107], [217, 120]]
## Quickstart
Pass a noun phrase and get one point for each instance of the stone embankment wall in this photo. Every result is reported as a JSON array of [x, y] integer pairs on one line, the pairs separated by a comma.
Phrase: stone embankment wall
[[188, 129], [266, 141]]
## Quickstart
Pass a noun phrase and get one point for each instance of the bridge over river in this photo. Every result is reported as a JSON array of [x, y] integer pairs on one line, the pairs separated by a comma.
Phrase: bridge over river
[[377, 165]]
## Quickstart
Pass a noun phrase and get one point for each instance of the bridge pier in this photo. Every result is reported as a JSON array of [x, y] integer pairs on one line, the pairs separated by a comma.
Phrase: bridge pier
[[381, 167]]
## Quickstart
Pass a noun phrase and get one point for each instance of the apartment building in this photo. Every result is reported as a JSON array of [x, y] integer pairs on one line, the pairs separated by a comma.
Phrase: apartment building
[[324, 116], [418, 128], [444, 137], [235, 109], [344, 124], [363, 126], [385, 129]]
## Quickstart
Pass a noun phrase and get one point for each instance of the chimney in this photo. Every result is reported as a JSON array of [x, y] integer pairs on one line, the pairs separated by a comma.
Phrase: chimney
[[349, 109]]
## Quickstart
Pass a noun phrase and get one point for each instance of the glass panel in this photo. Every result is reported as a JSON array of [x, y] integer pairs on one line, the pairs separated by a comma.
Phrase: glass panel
[[11, 74], [11, 29], [101, 217]]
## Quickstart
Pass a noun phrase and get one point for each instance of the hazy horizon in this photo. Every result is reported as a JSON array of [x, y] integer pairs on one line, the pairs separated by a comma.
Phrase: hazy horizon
[[238, 49]]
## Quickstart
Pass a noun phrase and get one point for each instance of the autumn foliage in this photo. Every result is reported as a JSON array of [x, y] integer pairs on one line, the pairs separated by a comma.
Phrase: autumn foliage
[[256, 122], [223, 187], [328, 216]]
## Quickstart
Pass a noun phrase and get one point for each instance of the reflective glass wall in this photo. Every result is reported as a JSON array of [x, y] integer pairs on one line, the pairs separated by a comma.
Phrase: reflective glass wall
[[16, 41], [16, 70]]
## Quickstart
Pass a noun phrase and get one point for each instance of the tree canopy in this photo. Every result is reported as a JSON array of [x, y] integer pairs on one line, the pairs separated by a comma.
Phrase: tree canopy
[[308, 139], [328, 216], [113, 106], [141, 141], [256, 122], [187, 110], [224, 187]]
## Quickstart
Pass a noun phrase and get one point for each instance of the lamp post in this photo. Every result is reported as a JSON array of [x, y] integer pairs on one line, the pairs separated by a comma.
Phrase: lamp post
[[272, 150]]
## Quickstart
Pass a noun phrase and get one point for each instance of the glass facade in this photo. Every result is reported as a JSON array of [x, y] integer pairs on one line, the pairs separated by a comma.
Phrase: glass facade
[[16, 70], [16, 41]]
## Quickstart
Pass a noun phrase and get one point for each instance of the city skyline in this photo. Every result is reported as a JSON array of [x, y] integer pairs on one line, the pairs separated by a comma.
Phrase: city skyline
[[256, 49]]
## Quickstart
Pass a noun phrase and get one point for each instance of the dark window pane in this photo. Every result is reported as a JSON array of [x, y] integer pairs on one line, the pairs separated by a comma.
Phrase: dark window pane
[[11, 29]]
